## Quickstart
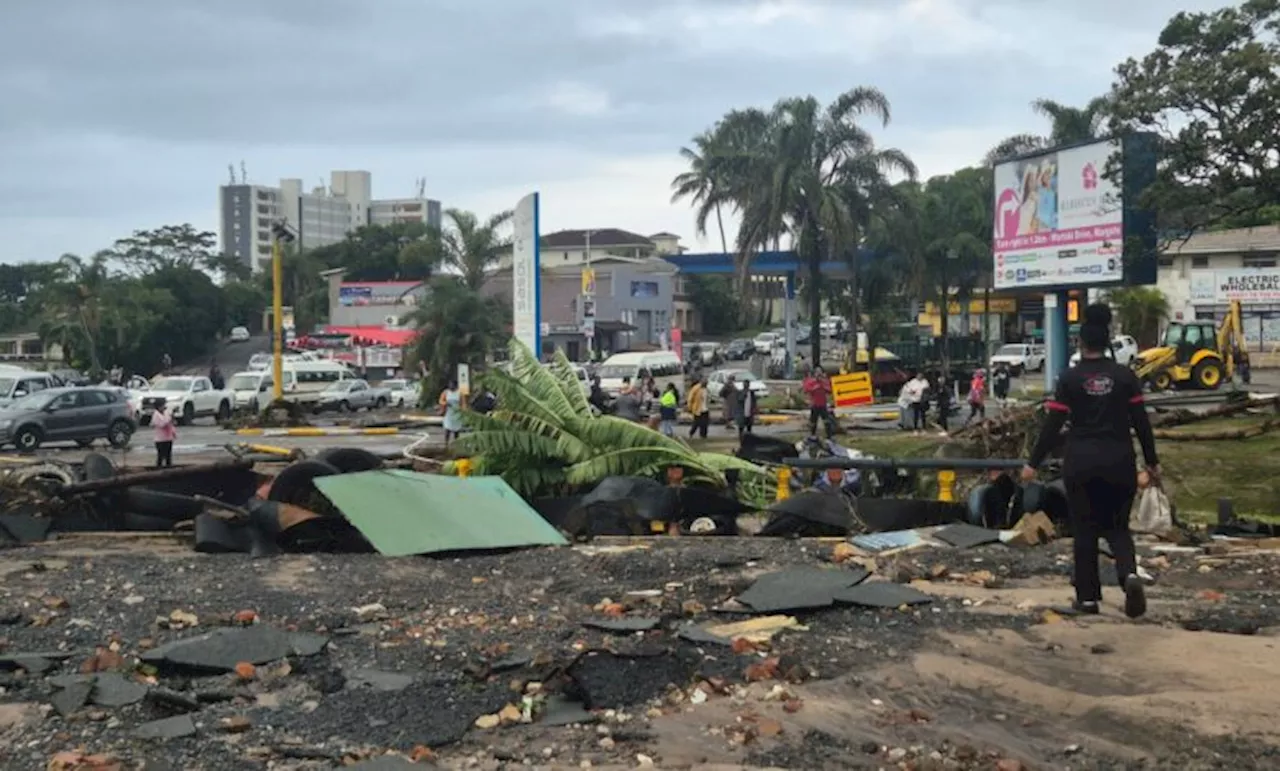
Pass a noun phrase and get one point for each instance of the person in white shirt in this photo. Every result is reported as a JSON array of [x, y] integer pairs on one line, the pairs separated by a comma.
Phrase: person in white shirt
[[913, 393]]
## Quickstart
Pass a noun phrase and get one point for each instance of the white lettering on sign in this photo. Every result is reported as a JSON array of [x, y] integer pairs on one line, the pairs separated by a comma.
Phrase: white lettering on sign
[[524, 273]]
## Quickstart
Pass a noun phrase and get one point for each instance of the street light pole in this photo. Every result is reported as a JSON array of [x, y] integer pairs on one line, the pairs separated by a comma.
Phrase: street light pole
[[280, 234]]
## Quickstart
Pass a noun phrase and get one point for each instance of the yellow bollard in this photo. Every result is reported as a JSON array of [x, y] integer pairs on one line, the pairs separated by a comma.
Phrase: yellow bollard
[[463, 465], [784, 483], [947, 485]]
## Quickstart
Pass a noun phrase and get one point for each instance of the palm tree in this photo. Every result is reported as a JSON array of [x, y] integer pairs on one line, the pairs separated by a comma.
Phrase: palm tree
[[703, 184], [1067, 125], [77, 298], [1140, 310], [472, 247], [817, 183], [544, 439], [456, 325]]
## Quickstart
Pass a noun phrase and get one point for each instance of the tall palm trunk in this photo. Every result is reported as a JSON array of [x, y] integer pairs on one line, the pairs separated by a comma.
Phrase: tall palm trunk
[[724, 244]]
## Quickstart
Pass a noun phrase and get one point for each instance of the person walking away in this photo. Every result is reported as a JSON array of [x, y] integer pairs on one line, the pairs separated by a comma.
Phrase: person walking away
[[697, 403], [817, 386], [451, 403], [668, 410], [745, 408], [943, 397], [729, 399], [1103, 401], [1000, 383], [977, 397], [598, 398], [627, 405], [215, 376], [165, 433]]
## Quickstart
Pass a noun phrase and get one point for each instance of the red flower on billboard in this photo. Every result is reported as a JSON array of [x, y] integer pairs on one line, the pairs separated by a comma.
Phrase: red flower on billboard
[[1089, 177]]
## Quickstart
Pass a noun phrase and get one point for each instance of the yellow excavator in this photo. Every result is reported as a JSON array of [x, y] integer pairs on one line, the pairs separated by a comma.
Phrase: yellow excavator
[[1194, 354]]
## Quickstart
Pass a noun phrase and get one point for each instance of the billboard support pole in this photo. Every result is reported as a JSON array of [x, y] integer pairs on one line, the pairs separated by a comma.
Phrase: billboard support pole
[[1055, 338]]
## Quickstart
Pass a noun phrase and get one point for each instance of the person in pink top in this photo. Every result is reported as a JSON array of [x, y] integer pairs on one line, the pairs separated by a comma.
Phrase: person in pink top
[[165, 433]]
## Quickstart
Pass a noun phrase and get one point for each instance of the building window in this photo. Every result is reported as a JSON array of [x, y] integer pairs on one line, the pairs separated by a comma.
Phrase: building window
[[1199, 262], [1166, 262], [1260, 261]]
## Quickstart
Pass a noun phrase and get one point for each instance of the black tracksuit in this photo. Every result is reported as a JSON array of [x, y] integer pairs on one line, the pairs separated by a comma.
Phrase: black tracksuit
[[1102, 400]]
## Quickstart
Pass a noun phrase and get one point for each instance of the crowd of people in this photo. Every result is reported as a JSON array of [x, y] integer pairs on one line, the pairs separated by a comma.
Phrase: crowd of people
[[926, 399]]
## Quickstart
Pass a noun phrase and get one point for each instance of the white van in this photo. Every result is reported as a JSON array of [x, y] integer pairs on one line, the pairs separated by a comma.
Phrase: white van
[[253, 389], [664, 366], [315, 376], [17, 383]]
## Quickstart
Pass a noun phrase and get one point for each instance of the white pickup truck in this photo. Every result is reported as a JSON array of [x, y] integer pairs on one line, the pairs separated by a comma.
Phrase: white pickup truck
[[188, 397], [1020, 357]]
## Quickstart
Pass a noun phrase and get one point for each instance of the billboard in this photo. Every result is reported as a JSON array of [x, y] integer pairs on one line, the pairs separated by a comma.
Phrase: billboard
[[526, 301], [1250, 286], [379, 293], [1058, 221]]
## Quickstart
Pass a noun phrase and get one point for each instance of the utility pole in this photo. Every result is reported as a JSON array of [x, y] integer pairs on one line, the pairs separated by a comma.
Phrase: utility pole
[[588, 300], [280, 235]]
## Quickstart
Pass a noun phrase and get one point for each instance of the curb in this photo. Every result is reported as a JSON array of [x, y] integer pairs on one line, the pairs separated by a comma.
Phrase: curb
[[317, 431]]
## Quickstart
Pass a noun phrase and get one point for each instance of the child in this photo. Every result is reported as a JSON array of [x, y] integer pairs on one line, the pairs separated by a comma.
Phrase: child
[[165, 433]]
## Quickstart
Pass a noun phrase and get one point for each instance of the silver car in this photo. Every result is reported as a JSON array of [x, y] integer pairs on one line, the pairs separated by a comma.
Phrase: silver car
[[79, 415], [352, 395]]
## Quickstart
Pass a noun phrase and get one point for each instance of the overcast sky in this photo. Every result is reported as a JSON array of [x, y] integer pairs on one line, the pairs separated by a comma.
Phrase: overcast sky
[[123, 115]]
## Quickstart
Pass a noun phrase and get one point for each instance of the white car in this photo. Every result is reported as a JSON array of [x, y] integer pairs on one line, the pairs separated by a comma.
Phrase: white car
[[717, 379], [187, 398], [831, 325], [765, 342], [1124, 347], [402, 392], [239, 335], [1020, 357]]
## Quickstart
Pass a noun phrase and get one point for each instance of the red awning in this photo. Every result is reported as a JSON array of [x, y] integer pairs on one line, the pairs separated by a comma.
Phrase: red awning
[[394, 337]]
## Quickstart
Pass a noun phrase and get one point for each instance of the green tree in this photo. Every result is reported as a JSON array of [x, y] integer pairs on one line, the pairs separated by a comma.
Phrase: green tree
[[1140, 311], [74, 304], [456, 325], [378, 253], [471, 247], [716, 302], [816, 179], [1211, 92], [176, 246], [704, 184], [1067, 125]]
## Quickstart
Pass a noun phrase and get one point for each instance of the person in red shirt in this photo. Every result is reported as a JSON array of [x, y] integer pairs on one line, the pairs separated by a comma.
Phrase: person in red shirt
[[817, 386]]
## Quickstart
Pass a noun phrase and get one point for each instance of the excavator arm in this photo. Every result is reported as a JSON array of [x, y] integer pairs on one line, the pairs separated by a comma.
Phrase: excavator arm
[[1153, 363], [1231, 338]]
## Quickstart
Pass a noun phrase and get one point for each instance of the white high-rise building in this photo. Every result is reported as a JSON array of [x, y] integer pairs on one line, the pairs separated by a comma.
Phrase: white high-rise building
[[320, 216]]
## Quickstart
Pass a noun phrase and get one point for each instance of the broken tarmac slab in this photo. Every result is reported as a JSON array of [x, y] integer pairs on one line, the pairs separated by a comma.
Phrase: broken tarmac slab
[[625, 625], [166, 728], [222, 649], [805, 588], [604, 679], [966, 536], [882, 594], [377, 680], [107, 689]]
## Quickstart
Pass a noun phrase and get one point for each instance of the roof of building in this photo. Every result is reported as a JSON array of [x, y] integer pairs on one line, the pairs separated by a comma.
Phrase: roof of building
[[664, 234], [604, 237], [1259, 239]]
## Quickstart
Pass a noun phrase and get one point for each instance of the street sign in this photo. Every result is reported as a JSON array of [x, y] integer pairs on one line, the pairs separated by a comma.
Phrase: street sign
[[464, 379], [853, 389], [589, 327]]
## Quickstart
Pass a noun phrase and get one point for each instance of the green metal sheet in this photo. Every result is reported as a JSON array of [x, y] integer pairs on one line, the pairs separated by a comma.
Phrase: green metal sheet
[[406, 512]]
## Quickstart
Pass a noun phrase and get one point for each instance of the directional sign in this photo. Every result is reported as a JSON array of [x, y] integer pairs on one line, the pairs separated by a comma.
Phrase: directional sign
[[853, 389]]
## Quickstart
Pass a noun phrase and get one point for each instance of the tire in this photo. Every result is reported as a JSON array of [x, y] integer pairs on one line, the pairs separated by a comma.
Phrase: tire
[[84, 444], [1162, 381], [254, 408], [162, 506], [224, 412], [98, 466], [380, 404], [27, 439], [294, 484], [348, 460], [1207, 375], [188, 414], [344, 406], [119, 434]]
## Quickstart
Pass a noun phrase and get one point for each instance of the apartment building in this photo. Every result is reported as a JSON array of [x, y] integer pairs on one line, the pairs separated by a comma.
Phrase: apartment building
[[320, 216]]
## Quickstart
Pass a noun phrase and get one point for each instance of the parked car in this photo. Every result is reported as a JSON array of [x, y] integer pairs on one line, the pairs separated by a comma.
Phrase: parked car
[[707, 352], [739, 349], [352, 395], [239, 335], [765, 342], [69, 414], [401, 392], [16, 383], [717, 379], [1020, 357], [71, 377], [187, 398], [1123, 347]]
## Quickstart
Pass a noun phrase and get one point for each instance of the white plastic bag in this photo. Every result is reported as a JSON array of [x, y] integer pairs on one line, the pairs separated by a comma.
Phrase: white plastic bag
[[1151, 513]]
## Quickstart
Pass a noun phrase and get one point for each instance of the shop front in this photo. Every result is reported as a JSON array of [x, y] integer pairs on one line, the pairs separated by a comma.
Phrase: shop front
[[967, 320], [1256, 289]]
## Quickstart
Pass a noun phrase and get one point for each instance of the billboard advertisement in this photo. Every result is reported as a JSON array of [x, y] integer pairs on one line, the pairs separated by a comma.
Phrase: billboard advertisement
[[1059, 222], [379, 293], [526, 308], [1250, 286]]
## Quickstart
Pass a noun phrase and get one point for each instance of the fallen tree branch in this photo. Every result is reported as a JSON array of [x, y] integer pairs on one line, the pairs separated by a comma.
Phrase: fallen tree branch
[[1184, 417], [146, 477], [1215, 436]]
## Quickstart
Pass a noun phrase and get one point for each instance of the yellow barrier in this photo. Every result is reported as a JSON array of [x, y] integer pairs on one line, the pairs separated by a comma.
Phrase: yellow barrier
[[463, 465], [947, 485], [784, 484], [311, 431]]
